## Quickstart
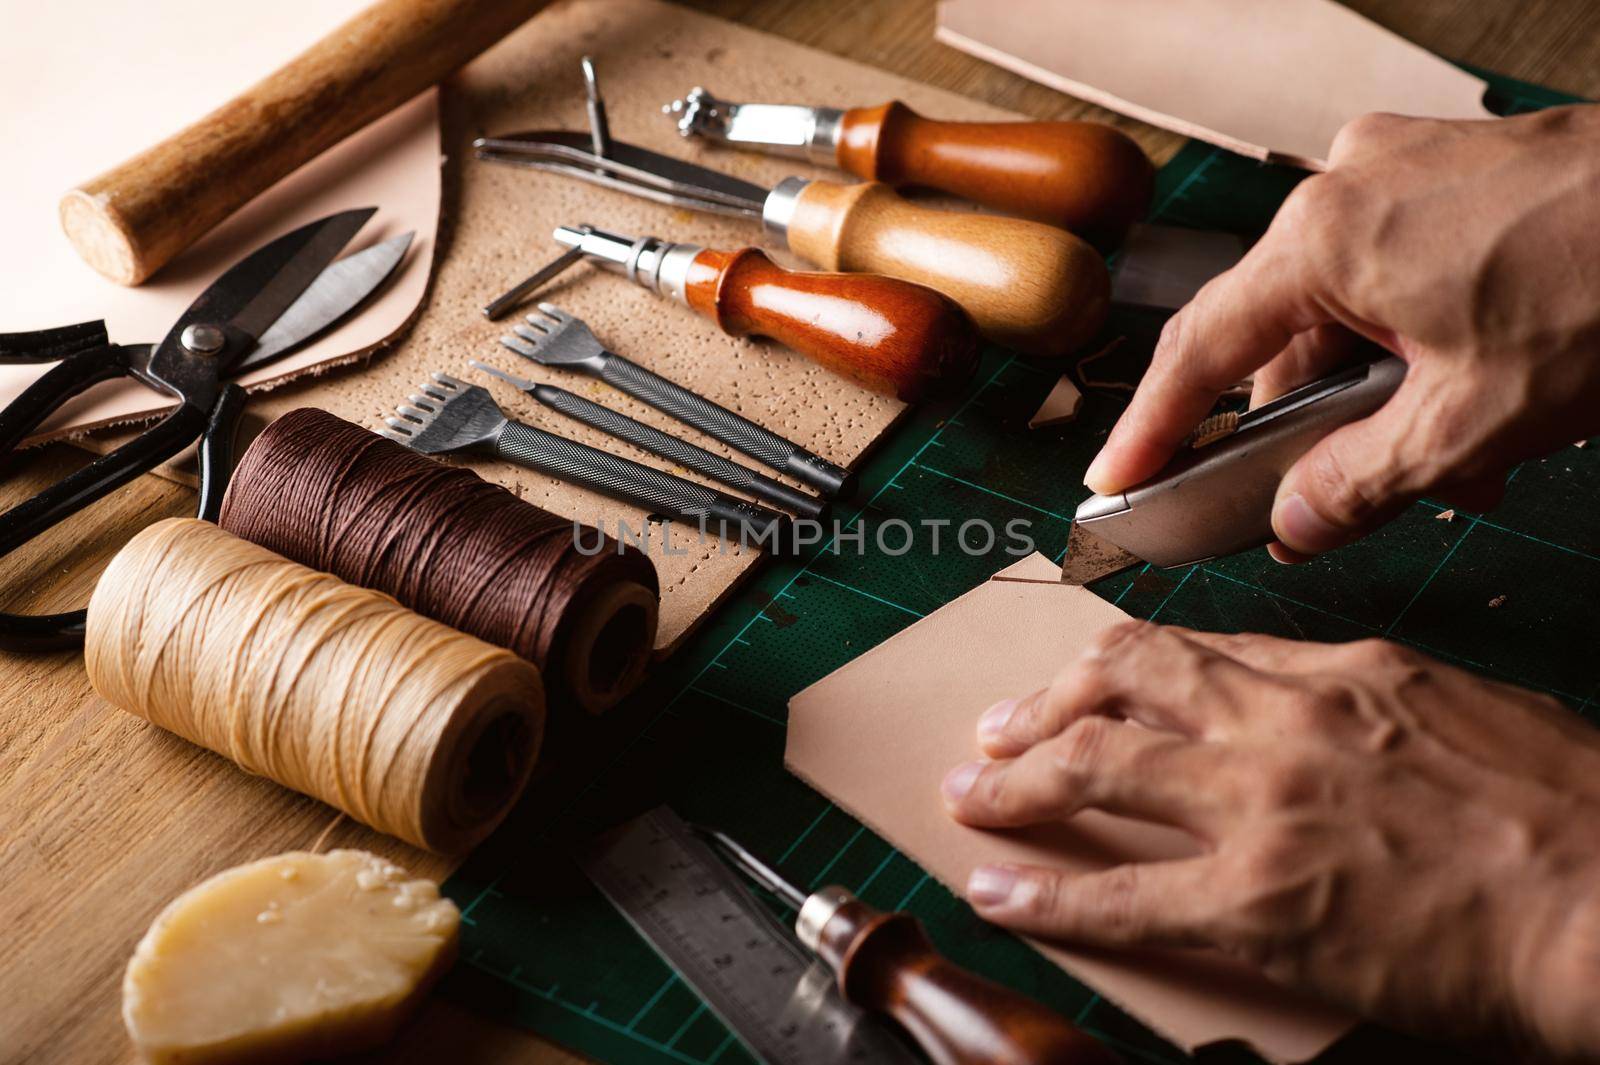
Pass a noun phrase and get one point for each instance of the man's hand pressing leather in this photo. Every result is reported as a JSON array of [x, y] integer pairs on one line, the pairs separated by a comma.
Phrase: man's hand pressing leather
[[1394, 835], [1470, 250]]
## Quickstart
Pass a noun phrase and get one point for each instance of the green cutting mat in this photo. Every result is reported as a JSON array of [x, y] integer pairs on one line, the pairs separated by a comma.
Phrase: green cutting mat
[[543, 950]]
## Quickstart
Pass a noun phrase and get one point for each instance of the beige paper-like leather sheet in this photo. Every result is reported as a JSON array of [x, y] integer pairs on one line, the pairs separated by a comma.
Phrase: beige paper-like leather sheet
[[87, 85], [1270, 79], [498, 222], [878, 735]]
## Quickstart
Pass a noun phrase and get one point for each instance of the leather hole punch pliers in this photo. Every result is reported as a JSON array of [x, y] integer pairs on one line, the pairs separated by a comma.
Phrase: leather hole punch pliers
[[268, 303]]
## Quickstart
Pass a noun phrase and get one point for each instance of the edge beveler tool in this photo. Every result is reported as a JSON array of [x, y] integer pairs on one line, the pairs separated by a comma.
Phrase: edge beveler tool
[[1086, 177]]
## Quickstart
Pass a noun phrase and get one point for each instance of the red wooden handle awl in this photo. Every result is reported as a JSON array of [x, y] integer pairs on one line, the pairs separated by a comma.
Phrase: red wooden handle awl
[[1085, 177], [886, 964], [894, 337]]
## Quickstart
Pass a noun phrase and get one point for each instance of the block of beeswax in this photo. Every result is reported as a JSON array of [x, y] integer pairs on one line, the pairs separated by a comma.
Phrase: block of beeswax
[[286, 959]]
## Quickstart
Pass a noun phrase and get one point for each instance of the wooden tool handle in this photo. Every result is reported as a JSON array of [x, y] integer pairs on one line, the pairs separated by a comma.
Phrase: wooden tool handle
[[1031, 287], [1083, 176], [129, 221], [886, 964], [892, 336]]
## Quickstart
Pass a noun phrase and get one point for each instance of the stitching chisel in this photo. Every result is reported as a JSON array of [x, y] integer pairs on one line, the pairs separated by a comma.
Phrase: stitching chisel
[[1215, 498]]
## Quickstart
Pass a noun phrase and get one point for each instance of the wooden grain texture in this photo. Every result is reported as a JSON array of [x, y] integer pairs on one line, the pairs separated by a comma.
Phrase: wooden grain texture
[[1028, 286], [887, 964], [1086, 177], [891, 336], [128, 222], [58, 755]]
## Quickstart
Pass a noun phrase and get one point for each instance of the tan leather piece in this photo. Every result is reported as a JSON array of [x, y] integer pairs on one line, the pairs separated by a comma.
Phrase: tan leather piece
[[118, 80], [878, 735], [1270, 79]]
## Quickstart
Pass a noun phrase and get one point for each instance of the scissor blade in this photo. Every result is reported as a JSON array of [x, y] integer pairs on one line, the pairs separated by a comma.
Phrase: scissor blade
[[338, 290], [293, 267], [254, 291]]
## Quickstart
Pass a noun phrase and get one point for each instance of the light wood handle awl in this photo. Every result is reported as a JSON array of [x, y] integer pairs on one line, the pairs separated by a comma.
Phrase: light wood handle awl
[[1029, 286], [131, 220]]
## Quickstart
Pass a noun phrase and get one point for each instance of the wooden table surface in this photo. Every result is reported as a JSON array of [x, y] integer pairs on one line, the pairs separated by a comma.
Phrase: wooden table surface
[[71, 774]]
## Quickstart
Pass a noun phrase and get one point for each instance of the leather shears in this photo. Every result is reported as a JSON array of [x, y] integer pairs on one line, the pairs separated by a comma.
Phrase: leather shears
[[263, 306]]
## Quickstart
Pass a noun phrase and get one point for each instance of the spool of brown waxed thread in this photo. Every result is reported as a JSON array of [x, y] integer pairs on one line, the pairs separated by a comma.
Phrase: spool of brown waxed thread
[[335, 691], [448, 544]]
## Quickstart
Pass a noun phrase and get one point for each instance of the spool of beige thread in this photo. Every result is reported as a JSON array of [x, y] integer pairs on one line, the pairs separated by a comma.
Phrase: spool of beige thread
[[332, 690]]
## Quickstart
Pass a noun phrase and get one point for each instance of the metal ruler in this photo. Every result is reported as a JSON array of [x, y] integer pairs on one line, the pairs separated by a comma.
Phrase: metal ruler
[[750, 971]]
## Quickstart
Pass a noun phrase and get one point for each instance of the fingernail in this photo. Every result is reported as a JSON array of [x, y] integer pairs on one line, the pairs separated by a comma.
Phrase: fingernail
[[990, 885], [959, 780], [1301, 528], [992, 725], [1098, 476]]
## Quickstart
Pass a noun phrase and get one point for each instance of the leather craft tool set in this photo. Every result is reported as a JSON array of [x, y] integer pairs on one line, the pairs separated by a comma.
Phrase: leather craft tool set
[[388, 633]]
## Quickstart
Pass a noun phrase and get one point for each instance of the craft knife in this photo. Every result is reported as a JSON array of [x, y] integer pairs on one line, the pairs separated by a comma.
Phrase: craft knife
[[1215, 498]]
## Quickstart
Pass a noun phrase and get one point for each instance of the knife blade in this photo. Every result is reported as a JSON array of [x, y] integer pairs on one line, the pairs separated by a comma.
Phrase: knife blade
[[1215, 498], [1090, 558]]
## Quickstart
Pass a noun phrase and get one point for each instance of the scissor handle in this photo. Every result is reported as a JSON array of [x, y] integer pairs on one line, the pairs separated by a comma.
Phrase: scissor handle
[[26, 520], [48, 345]]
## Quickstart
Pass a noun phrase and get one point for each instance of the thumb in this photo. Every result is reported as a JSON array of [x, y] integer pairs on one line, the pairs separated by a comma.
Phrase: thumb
[[1359, 476]]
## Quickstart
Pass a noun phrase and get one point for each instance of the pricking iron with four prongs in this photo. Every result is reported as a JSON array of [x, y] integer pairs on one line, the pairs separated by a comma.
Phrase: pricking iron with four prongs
[[552, 337], [1086, 177], [1215, 498], [1033, 287], [447, 415]]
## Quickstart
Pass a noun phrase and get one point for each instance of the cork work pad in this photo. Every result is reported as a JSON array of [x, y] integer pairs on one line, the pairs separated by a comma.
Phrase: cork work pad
[[1269, 79], [118, 79], [499, 223], [878, 735]]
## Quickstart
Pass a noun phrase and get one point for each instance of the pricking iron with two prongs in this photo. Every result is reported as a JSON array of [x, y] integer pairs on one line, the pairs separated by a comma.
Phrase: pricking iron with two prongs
[[552, 337]]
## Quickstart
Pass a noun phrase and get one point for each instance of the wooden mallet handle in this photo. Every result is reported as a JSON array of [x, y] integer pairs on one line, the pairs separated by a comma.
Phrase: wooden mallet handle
[[131, 220]]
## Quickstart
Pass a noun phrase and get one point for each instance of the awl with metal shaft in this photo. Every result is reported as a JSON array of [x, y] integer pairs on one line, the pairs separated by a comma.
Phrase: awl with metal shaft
[[1029, 286], [1082, 176], [892, 336], [886, 964], [1215, 498]]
